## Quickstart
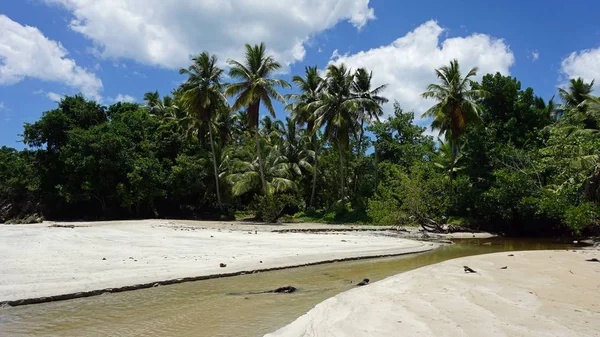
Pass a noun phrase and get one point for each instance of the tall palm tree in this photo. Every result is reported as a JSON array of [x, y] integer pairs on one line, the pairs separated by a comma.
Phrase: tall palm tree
[[456, 106], [303, 113], [369, 103], [576, 93], [203, 94], [369, 100], [335, 109], [256, 86]]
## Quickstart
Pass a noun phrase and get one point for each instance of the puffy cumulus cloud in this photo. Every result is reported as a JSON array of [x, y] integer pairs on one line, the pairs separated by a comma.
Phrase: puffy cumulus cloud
[[407, 64], [26, 53], [584, 64], [124, 98], [158, 33]]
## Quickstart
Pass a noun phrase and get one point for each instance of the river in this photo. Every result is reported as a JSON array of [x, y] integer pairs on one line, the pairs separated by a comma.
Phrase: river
[[223, 307]]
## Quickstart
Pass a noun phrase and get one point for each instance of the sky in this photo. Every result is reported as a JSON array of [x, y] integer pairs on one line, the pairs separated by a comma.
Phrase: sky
[[112, 51]]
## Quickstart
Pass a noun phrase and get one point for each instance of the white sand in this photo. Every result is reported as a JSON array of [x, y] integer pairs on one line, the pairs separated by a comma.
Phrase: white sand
[[544, 293], [39, 261]]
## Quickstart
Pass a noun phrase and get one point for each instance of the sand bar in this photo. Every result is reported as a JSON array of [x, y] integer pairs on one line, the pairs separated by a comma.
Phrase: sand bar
[[40, 261], [542, 293]]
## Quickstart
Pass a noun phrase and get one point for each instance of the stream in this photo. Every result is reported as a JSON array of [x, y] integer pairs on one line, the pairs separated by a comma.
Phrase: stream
[[223, 307]]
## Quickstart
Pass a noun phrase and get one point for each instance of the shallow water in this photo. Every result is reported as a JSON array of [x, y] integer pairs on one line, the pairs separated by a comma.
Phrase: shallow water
[[220, 307]]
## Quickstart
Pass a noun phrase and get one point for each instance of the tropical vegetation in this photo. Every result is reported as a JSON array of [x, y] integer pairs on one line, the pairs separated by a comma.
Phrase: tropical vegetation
[[505, 160]]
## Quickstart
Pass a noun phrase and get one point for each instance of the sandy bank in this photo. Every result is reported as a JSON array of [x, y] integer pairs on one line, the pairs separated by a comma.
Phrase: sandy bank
[[543, 293], [40, 261]]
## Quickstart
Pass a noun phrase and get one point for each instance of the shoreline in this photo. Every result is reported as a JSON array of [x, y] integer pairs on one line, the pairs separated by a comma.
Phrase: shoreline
[[60, 261], [524, 293], [98, 292]]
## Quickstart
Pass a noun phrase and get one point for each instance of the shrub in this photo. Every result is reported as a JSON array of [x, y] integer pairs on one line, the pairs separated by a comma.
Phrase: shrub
[[582, 217], [270, 208]]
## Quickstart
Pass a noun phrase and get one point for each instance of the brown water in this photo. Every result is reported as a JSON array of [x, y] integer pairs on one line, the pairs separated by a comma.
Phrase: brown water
[[220, 307]]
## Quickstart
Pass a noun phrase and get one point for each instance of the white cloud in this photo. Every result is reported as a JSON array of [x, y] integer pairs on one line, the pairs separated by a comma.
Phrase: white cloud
[[124, 98], [535, 55], [407, 64], [584, 64], [26, 53], [53, 96], [160, 33]]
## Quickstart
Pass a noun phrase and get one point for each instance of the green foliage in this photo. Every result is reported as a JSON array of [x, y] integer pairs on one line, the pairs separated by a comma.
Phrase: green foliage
[[583, 216], [271, 207], [510, 162]]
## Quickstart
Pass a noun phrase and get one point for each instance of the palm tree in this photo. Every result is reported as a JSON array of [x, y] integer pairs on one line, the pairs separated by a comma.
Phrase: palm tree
[[456, 106], [369, 102], [246, 176], [165, 109], [203, 94], [152, 98], [294, 148], [444, 160], [577, 92], [272, 130], [303, 113], [335, 109], [255, 87]]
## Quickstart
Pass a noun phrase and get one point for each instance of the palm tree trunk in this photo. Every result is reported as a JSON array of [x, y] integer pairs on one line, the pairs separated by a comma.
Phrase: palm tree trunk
[[452, 159], [376, 167], [314, 183], [359, 154], [215, 170], [341, 155], [260, 161]]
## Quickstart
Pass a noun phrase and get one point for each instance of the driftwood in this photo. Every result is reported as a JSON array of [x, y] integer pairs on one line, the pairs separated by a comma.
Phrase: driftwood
[[431, 226]]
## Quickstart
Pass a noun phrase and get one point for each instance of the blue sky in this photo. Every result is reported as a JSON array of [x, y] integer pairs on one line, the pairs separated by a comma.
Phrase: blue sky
[[118, 50]]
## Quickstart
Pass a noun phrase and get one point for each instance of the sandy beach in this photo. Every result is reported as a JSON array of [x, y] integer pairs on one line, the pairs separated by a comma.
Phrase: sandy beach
[[542, 293], [40, 260]]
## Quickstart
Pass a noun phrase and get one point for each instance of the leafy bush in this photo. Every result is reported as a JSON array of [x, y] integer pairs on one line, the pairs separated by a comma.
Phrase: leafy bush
[[384, 210], [582, 217], [270, 208]]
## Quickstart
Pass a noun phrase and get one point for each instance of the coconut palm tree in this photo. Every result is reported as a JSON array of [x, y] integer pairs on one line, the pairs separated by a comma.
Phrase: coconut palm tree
[[336, 111], [456, 106], [577, 92], [294, 147], [246, 176], [203, 95], [369, 100], [303, 113], [256, 86], [369, 103], [165, 109], [272, 130]]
